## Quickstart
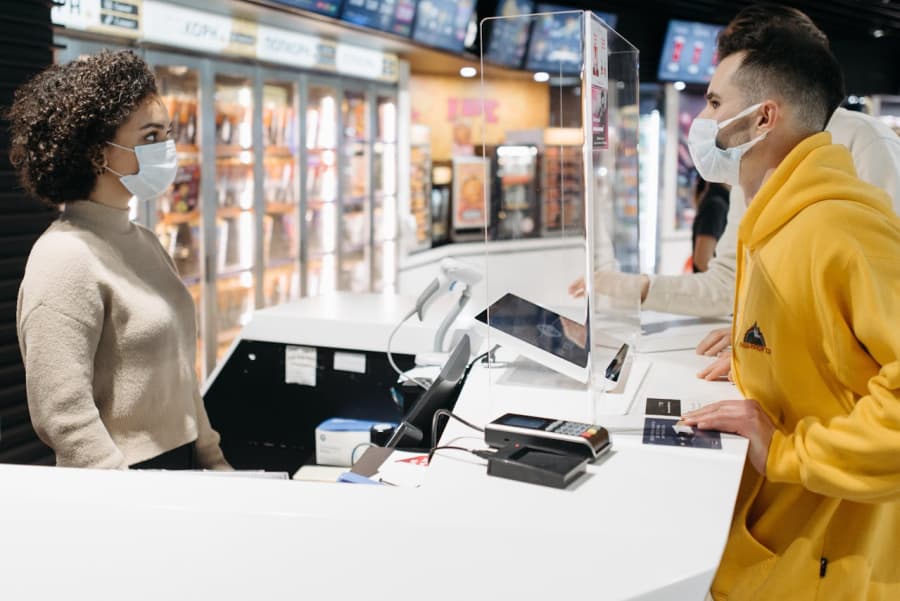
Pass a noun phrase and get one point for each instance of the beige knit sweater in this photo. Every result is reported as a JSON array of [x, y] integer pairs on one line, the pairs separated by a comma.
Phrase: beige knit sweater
[[107, 332]]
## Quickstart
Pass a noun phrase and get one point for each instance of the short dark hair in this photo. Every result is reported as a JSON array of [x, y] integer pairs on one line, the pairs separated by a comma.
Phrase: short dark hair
[[786, 55], [61, 120]]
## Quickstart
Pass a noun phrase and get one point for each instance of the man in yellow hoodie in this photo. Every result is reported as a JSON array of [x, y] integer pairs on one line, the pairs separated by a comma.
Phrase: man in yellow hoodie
[[816, 346]]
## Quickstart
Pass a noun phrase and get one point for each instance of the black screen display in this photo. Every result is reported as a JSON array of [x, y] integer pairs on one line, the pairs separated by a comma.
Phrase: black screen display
[[539, 327], [509, 37], [393, 16], [329, 8], [443, 23], [524, 421], [689, 52]]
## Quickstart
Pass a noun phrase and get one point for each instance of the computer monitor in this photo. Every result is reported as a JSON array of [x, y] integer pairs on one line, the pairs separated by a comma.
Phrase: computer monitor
[[442, 394]]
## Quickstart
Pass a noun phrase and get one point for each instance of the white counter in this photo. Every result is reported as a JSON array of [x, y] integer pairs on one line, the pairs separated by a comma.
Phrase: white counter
[[647, 522]]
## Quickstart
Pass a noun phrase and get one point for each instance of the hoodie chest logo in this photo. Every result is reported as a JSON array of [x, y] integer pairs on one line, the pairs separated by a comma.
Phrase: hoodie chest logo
[[754, 340]]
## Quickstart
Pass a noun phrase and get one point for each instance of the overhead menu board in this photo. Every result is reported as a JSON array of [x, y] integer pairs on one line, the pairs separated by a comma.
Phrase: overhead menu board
[[392, 16], [443, 23], [112, 17], [509, 35], [689, 52], [330, 8], [556, 41]]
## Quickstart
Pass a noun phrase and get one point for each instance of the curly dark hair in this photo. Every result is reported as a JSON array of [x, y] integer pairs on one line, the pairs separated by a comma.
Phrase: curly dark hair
[[61, 120]]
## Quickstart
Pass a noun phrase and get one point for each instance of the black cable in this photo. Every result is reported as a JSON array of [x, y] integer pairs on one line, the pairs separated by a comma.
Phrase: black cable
[[445, 413], [476, 452]]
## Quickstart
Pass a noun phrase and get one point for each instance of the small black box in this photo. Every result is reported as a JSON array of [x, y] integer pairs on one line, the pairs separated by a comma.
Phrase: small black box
[[536, 466]]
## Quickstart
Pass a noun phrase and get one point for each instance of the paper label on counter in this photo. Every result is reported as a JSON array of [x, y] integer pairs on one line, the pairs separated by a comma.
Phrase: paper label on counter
[[300, 365], [355, 362]]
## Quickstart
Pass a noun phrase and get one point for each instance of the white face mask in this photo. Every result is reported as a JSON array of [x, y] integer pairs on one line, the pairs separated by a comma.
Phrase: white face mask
[[157, 165], [722, 165]]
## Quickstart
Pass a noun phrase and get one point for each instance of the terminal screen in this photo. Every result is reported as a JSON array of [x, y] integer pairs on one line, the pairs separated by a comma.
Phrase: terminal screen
[[539, 327]]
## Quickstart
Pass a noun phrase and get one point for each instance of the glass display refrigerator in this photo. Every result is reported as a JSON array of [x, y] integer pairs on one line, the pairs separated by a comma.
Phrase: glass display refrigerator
[[562, 204], [179, 211], [518, 211], [420, 185], [286, 186], [235, 277], [321, 187], [354, 256], [384, 199], [280, 190]]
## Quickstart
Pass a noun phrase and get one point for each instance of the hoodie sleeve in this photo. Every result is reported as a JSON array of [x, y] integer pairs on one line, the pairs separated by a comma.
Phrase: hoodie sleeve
[[855, 456]]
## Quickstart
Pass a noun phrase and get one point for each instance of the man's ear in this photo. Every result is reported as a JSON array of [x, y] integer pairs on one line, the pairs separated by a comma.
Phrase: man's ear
[[767, 117]]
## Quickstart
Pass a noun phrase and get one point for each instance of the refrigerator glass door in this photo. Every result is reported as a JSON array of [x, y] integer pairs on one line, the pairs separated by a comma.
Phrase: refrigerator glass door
[[354, 273], [178, 211], [235, 220], [281, 223], [518, 213], [384, 202], [321, 188]]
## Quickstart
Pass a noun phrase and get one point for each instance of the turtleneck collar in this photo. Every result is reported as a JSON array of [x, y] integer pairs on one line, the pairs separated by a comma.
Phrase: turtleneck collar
[[101, 217]]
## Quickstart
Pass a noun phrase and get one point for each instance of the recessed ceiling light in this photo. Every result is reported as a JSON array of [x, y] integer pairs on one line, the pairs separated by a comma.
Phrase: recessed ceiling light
[[877, 33], [468, 72], [541, 76]]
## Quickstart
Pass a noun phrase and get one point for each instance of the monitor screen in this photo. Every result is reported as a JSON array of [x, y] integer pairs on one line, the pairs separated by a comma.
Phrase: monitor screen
[[509, 37], [441, 394], [539, 327], [392, 16], [443, 23], [330, 8], [689, 52]]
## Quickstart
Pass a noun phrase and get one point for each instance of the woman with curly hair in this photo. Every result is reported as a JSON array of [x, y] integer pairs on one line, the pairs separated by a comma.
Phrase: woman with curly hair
[[106, 328]]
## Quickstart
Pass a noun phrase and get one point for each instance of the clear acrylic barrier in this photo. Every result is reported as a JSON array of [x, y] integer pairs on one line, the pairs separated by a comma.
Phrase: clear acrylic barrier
[[562, 207]]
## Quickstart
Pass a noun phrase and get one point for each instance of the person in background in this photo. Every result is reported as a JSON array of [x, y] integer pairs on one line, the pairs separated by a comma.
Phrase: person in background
[[875, 149], [106, 327], [711, 200], [816, 350]]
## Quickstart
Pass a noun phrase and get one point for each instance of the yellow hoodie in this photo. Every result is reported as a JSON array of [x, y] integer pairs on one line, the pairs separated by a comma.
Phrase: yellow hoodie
[[817, 344]]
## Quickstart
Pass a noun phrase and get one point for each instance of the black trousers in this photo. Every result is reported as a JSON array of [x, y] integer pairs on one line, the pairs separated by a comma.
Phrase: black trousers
[[180, 458]]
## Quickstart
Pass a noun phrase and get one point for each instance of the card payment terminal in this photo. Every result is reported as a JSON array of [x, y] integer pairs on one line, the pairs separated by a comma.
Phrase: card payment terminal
[[585, 440]]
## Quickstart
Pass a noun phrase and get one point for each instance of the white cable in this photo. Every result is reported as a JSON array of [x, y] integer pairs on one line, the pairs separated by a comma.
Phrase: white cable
[[391, 357]]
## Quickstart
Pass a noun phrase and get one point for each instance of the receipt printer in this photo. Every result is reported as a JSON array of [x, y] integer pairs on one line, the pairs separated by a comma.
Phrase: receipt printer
[[341, 441]]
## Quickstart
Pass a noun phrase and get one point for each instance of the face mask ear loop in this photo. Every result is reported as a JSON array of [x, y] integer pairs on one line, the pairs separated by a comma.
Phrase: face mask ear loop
[[120, 146], [730, 120]]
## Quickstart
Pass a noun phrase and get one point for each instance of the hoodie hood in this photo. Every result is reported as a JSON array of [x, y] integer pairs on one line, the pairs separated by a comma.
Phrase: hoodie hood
[[815, 170]]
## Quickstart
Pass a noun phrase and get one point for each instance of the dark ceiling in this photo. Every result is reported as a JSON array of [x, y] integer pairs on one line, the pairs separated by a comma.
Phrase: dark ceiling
[[871, 64]]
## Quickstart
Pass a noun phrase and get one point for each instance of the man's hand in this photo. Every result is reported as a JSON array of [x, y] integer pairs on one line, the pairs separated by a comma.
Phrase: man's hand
[[743, 417], [715, 342], [719, 369]]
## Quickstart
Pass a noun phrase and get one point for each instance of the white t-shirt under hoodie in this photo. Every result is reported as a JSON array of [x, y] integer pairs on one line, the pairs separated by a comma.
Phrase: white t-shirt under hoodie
[[108, 334]]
